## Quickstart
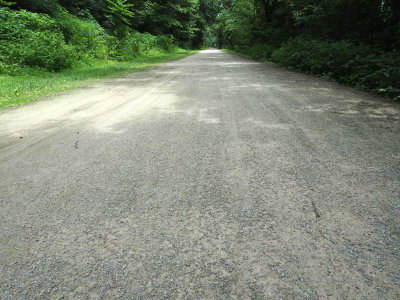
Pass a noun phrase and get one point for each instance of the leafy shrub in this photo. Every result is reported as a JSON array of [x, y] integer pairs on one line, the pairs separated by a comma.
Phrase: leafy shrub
[[16, 24], [165, 42], [146, 42], [260, 51], [63, 41], [42, 6], [45, 49], [135, 44], [149, 43], [127, 48], [88, 37], [54, 44], [112, 44], [346, 62], [33, 40]]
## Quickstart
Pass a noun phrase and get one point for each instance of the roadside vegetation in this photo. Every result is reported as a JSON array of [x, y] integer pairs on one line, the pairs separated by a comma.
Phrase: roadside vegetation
[[51, 45], [355, 42], [30, 83], [45, 48]]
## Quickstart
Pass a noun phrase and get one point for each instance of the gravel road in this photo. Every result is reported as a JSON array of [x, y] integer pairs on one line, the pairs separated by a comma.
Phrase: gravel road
[[212, 177]]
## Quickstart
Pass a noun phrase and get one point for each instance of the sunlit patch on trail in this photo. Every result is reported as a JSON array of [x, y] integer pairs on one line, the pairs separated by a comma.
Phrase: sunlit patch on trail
[[258, 123]]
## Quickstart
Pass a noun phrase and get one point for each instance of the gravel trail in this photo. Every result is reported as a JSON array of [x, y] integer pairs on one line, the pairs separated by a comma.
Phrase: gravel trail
[[212, 177]]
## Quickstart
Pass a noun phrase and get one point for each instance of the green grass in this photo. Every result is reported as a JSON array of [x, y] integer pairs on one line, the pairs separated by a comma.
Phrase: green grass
[[31, 84]]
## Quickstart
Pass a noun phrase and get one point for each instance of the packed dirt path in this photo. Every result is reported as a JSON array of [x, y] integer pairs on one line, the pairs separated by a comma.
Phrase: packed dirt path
[[212, 177]]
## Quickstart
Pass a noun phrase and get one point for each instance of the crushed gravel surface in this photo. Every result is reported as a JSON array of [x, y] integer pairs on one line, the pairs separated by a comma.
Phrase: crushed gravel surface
[[212, 177]]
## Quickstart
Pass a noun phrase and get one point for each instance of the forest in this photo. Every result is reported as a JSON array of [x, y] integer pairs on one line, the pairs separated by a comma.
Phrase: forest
[[354, 42]]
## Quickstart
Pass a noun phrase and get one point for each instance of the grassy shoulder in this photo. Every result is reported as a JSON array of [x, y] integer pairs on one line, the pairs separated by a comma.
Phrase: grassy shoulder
[[30, 84]]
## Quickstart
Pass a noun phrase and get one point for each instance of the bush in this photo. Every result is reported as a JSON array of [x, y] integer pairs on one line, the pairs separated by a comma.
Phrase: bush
[[46, 50], [87, 36], [63, 41], [126, 48], [29, 39], [165, 42], [54, 44], [345, 62], [135, 44], [260, 51], [17, 24], [146, 42]]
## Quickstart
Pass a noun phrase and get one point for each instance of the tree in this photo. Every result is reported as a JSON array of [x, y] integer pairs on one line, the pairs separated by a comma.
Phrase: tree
[[6, 3], [120, 15]]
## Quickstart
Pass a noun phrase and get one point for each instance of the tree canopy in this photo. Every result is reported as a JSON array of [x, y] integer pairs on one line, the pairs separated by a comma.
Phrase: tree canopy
[[356, 42], [373, 22], [239, 22]]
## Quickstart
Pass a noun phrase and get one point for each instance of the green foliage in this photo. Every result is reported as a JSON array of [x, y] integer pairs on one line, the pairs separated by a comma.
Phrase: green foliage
[[6, 3], [120, 16], [180, 18], [120, 10], [86, 35], [42, 6], [352, 41], [30, 83], [64, 41], [45, 49], [345, 62], [139, 44], [37, 40], [29, 39], [236, 24], [175, 17], [356, 42], [165, 42], [258, 51]]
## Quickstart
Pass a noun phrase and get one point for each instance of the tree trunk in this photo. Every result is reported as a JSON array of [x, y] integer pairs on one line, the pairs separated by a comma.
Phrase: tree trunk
[[267, 10]]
